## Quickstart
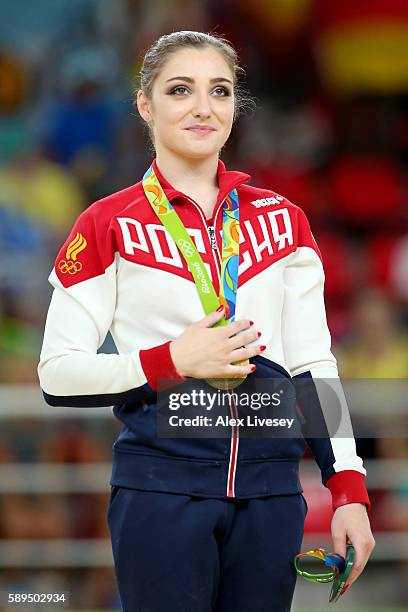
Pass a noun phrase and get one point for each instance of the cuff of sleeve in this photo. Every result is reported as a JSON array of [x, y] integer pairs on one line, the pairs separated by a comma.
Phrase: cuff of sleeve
[[158, 366], [348, 487]]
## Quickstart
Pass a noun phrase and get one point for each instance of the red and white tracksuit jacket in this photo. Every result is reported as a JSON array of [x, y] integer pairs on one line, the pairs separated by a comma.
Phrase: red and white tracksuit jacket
[[120, 271]]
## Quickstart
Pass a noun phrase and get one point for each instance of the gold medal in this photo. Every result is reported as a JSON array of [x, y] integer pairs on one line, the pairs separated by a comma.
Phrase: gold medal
[[228, 382]]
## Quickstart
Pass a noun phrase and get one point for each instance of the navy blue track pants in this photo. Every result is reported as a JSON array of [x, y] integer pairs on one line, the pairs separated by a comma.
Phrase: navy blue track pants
[[180, 553]]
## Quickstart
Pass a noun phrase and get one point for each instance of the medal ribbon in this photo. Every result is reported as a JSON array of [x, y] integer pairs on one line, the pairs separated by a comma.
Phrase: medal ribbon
[[340, 569], [230, 247], [336, 562]]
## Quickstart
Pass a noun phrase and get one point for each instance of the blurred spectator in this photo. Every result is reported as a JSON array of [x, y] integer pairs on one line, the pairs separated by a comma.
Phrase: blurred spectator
[[43, 191], [88, 517], [17, 233], [12, 96], [393, 511], [392, 515], [342, 276], [376, 347], [33, 517], [34, 29], [383, 256], [71, 443], [367, 190], [399, 270], [338, 257], [11, 82], [367, 124], [20, 341], [82, 124], [97, 590], [7, 452]]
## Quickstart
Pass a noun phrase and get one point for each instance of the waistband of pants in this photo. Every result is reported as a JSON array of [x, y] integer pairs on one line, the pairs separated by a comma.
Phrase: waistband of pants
[[207, 478]]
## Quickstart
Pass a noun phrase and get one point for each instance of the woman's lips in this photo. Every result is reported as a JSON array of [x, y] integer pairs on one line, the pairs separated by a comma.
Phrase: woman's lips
[[201, 131]]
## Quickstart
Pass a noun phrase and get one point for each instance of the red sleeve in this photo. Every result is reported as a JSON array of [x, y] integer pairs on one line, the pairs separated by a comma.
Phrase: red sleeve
[[159, 368], [348, 487]]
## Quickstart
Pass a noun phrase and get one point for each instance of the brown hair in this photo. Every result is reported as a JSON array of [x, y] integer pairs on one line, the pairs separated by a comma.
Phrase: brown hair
[[156, 56]]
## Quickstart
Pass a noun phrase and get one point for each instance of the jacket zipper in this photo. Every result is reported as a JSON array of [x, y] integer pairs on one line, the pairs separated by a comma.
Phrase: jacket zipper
[[216, 258], [213, 239], [234, 440]]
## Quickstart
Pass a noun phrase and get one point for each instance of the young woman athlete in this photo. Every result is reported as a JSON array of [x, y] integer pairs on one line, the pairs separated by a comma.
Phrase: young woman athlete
[[205, 523]]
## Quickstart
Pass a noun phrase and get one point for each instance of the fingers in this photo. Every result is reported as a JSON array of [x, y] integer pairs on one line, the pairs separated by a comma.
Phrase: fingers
[[231, 329], [339, 544], [236, 370], [246, 353], [235, 348], [350, 524], [242, 339], [231, 342], [212, 318], [238, 326], [363, 550]]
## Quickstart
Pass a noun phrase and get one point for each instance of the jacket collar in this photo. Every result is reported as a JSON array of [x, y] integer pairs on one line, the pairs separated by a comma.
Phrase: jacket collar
[[227, 180]]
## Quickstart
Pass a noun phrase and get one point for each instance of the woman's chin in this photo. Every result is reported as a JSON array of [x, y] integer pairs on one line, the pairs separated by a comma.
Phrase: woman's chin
[[198, 151]]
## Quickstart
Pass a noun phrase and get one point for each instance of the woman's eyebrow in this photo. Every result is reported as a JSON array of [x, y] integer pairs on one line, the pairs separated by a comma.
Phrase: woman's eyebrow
[[190, 80]]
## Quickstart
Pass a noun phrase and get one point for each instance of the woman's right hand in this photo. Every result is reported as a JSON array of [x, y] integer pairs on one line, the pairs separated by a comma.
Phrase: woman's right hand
[[204, 351]]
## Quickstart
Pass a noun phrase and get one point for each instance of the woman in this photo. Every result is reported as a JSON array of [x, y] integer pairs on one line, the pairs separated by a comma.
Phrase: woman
[[202, 523]]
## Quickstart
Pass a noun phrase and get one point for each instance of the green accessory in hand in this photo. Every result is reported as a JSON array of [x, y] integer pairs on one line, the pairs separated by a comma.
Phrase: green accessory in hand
[[339, 573]]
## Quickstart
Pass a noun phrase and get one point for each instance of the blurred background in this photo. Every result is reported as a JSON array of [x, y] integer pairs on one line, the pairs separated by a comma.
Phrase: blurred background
[[330, 132]]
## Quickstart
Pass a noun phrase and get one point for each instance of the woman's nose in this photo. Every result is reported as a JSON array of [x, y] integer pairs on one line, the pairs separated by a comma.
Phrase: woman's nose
[[202, 107]]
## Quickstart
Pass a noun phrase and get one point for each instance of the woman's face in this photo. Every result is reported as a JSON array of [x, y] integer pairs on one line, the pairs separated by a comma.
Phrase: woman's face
[[191, 109]]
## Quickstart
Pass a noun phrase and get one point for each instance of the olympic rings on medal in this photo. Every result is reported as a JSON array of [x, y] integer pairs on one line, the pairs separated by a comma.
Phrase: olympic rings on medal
[[72, 267], [185, 247]]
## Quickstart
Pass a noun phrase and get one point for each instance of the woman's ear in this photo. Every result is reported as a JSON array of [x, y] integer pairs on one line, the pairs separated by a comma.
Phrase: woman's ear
[[143, 106]]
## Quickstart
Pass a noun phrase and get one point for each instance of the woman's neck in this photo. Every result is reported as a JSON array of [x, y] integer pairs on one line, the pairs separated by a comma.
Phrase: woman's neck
[[198, 179]]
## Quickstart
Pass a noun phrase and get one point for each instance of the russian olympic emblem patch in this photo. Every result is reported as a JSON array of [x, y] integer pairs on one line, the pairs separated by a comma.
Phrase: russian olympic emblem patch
[[70, 264]]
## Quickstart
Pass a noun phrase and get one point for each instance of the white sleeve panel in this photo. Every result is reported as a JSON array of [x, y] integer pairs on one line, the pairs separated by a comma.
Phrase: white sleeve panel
[[333, 404], [78, 320], [307, 348], [306, 337]]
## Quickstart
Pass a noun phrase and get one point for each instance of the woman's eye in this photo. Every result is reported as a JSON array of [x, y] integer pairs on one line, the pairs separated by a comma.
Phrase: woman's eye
[[221, 91], [179, 89]]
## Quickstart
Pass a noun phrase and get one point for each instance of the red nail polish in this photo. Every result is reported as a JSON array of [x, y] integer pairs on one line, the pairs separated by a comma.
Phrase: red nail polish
[[346, 586], [259, 334], [220, 308], [251, 322], [253, 367], [262, 347]]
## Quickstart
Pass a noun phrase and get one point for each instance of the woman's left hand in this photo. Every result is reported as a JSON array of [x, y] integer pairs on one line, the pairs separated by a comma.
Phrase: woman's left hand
[[350, 524]]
